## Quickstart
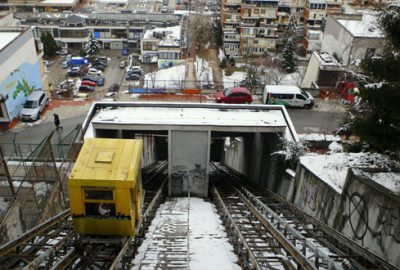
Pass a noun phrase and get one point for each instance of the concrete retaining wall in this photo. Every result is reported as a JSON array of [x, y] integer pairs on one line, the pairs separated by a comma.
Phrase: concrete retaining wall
[[366, 212]]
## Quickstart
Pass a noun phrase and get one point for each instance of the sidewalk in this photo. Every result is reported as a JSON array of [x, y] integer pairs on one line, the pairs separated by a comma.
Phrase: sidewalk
[[64, 108]]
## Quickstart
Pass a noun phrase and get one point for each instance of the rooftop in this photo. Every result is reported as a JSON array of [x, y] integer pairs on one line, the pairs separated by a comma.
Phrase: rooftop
[[7, 37], [214, 117], [367, 27]]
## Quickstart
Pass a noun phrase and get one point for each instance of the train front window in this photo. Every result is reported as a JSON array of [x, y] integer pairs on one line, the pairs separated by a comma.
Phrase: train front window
[[100, 209], [98, 194]]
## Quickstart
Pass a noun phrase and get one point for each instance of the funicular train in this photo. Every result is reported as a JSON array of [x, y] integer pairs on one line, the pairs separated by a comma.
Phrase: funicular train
[[105, 187]]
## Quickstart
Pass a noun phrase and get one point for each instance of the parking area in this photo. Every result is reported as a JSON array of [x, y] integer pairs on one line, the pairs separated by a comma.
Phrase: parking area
[[113, 74]]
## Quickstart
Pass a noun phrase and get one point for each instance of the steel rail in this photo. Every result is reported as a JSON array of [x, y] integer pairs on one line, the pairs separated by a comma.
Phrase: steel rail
[[357, 251], [297, 256], [32, 233], [354, 247], [278, 222]]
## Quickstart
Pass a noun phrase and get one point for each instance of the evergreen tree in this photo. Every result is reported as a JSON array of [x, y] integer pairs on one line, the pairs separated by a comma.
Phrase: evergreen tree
[[92, 47], [375, 117], [288, 57], [50, 46], [288, 61]]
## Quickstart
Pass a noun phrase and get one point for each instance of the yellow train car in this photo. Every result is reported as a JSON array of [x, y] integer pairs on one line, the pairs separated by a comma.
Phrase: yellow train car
[[105, 187]]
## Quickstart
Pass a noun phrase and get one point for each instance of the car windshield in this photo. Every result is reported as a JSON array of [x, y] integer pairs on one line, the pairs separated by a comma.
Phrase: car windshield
[[30, 104], [227, 91]]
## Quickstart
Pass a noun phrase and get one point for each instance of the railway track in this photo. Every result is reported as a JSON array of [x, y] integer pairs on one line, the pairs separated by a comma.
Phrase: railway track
[[269, 233], [54, 244]]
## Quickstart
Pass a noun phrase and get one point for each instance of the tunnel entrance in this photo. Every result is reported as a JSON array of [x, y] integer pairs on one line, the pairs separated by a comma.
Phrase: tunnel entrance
[[190, 136]]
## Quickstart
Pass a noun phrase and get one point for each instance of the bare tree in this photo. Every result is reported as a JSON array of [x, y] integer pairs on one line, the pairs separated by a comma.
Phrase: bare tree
[[153, 79]]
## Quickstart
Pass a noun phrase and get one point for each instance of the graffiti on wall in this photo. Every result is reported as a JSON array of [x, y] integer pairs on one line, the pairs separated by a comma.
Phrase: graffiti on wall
[[183, 176], [18, 85], [309, 189], [361, 222]]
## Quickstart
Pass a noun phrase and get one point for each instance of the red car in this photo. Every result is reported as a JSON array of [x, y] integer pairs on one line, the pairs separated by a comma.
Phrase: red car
[[89, 83], [234, 95]]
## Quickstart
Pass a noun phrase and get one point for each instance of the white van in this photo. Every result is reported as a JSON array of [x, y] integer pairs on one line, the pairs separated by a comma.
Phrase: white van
[[288, 95]]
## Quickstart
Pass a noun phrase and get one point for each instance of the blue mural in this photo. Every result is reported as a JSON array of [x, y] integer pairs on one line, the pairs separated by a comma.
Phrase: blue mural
[[18, 85]]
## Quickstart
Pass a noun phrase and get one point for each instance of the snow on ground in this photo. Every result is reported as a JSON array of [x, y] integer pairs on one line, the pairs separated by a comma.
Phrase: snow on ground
[[319, 137], [221, 55], [3, 205], [389, 180], [186, 231], [204, 71], [234, 79], [267, 76], [208, 242], [332, 169], [165, 78]]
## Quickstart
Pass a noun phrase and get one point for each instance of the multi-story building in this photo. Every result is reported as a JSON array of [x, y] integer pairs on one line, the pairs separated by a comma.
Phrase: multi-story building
[[112, 30], [39, 5], [315, 12], [249, 26], [20, 65]]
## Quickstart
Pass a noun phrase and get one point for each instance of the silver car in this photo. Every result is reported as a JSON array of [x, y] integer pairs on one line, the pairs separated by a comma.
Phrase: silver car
[[34, 105]]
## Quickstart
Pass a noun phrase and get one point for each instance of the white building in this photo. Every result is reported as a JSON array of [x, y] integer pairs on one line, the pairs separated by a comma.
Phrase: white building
[[352, 38], [163, 43], [348, 39], [20, 71]]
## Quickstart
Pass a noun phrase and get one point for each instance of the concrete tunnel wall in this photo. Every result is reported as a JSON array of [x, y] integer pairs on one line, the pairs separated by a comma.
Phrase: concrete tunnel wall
[[251, 156]]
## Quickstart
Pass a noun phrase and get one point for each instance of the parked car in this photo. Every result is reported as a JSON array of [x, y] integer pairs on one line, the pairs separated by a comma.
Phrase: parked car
[[64, 64], [74, 72], [86, 88], [62, 52], [100, 80], [89, 83], [132, 77], [123, 64], [99, 66], [234, 95], [34, 105], [164, 9], [66, 84], [135, 69], [103, 60], [114, 88], [94, 72]]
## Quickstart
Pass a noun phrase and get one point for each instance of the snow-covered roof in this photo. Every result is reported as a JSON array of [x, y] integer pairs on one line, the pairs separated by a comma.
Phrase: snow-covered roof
[[174, 31], [204, 116], [367, 27], [326, 59], [332, 169], [59, 2], [7, 37]]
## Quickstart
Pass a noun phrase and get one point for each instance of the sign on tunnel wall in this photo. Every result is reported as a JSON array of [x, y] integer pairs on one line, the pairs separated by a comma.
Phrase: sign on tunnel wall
[[188, 163]]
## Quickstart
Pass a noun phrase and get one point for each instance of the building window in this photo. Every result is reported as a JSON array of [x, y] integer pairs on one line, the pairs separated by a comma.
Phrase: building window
[[369, 53], [262, 11], [257, 11]]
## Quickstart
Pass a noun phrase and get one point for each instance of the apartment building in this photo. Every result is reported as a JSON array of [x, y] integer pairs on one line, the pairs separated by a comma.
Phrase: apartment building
[[315, 13], [112, 30], [249, 26], [39, 5]]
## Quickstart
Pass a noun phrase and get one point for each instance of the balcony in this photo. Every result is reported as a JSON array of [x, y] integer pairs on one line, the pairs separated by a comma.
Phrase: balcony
[[232, 2]]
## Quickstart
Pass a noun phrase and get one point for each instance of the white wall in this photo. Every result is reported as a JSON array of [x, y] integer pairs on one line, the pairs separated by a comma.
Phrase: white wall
[[312, 72]]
